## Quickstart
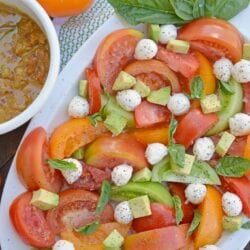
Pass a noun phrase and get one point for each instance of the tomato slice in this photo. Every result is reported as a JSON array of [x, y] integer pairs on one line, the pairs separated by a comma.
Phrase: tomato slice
[[31, 164], [186, 64], [114, 53], [194, 125], [94, 91], [246, 88], [30, 222], [76, 209], [154, 73], [214, 38], [148, 114]]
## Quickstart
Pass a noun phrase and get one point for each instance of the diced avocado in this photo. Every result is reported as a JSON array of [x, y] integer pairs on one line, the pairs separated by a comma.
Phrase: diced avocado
[[232, 224], [246, 51], [154, 31], [78, 154], [186, 170], [115, 123], [159, 169], [113, 241], [124, 81], [142, 88], [140, 206], [143, 175], [178, 46], [224, 143], [160, 96], [44, 199], [210, 104], [83, 88]]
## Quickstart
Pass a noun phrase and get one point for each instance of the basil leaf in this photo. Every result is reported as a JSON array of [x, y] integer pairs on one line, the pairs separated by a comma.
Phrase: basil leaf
[[177, 154], [246, 225], [104, 197], [195, 222], [62, 165], [226, 88], [172, 129], [197, 88], [199, 8], [178, 209], [183, 8], [232, 166], [89, 228]]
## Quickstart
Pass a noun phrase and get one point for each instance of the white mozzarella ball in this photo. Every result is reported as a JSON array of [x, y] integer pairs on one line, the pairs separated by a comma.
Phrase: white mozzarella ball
[[146, 49], [123, 213], [241, 71], [204, 149], [121, 174], [167, 32], [155, 152], [239, 124], [231, 204], [128, 99], [63, 245], [179, 104], [72, 175], [223, 69], [195, 193], [78, 107], [209, 247]]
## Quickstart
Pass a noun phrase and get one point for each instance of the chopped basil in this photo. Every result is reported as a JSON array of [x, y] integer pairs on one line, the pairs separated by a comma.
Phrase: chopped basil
[[195, 222], [178, 209], [104, 197], [177, 154], [197, 88], [171, 131], [89, 228], [226, 88], [62, 165]]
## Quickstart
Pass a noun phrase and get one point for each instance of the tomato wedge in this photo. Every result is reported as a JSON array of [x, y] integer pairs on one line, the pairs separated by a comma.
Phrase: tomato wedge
[[114, 53], [31, 164], [30, 222], [94, 91], [76, 208], [148, 70]]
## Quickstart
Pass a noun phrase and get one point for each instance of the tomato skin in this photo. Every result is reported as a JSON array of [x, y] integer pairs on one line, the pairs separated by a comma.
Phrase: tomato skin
[[148, 114], [30, 222]]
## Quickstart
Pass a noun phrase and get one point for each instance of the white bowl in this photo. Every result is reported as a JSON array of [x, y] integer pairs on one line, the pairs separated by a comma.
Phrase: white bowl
[[33, 9]]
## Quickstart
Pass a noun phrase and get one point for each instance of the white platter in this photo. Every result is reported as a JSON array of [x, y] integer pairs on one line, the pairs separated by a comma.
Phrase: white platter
[[55, 113]]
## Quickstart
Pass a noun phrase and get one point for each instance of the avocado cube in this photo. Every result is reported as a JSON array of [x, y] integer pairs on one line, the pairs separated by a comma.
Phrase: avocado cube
[[83, 88], [154, 31], [115, 123], [140, 206], [210, 104], [143, 175], [246, 51], [224, 143], [142, 88], [188, 164], [178, 46], [160, 97], [44, 199], [232, 224], [113, 241], [124, 81]]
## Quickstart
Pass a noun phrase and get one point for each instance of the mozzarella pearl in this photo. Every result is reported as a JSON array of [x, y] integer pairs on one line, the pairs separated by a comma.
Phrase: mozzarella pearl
[[63, 245], [231, 204], [128, 99], [241, 71], [223, 69], [209, 247], [204, 149], [78, 107], [146, 49], [155, 152], [72, 175], [195, 193], [167, 33], [123, 213], [121, 174], [239, 124], [179, 104]]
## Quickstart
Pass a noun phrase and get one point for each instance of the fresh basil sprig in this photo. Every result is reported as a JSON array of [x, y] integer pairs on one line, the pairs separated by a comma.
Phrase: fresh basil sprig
[[89, 228], [171, 131], [62, 165], [246, 225], [177, 154], [178, 209], [195, 222], [197, 88], [226, 88]]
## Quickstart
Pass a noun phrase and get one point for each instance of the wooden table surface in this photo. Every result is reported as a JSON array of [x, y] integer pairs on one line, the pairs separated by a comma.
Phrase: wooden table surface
[[8, 145]]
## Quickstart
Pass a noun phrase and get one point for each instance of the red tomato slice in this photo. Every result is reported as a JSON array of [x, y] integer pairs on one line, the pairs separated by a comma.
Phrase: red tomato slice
[[246, 88], [30, 222], [31, 164], [194, 125], [187, 65], [214, 38], [76, 209], [148, 114], [154, 73], [114, 53], [94, 91], [241, 187]]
